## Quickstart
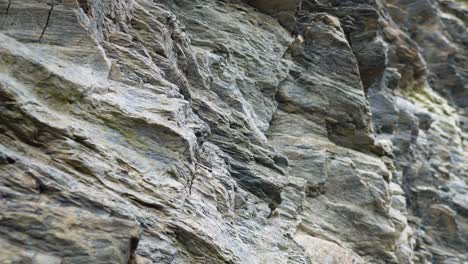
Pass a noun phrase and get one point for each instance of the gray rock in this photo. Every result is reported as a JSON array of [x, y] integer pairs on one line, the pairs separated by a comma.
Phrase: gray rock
[[203, 131]]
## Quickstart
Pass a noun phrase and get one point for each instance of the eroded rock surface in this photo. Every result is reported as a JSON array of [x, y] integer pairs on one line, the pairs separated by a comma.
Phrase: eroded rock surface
[[231, 131]]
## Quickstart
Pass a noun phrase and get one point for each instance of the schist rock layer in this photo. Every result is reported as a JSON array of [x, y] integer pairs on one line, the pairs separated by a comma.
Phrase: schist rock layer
[[233, 131]]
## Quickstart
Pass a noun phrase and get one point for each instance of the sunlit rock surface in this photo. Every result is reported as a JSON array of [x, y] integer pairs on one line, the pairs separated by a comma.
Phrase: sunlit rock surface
[[229, 131]]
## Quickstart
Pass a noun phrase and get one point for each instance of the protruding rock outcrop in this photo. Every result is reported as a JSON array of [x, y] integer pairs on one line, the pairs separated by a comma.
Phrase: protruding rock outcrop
[[207, 131]]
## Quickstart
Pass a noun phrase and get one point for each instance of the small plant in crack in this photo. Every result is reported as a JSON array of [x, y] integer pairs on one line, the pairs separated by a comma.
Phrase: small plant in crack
[[193, 176], [198, 171], [196, 174], [191, 179], [191, 160]]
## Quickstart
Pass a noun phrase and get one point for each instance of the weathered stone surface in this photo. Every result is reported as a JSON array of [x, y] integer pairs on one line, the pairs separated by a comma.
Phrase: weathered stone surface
[[203, 131]]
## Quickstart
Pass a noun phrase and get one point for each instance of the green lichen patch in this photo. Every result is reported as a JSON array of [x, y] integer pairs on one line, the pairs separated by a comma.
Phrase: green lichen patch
[[423, 95]]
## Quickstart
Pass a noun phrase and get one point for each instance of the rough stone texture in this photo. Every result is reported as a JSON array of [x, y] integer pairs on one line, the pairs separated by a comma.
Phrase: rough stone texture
[[230, 131]]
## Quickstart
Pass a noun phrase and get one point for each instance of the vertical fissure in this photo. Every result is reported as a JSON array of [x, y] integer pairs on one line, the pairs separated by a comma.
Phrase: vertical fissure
[[48, 20], [6, 14]]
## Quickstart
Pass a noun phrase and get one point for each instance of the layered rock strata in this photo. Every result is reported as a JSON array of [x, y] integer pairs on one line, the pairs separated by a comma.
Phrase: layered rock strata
[[229, 131]]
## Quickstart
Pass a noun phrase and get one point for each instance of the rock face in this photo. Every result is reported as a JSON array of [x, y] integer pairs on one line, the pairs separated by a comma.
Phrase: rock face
[[229, 131]]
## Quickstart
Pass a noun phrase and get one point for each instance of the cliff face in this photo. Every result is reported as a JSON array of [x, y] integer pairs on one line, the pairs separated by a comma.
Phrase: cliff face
[[229, 131]]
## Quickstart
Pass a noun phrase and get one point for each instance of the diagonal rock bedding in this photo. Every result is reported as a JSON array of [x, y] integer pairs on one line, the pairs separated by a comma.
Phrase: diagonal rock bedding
[[233, 131]]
